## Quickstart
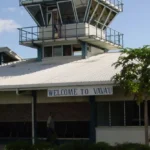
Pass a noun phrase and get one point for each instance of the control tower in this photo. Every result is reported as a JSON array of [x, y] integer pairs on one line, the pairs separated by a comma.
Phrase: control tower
[[71, 27]]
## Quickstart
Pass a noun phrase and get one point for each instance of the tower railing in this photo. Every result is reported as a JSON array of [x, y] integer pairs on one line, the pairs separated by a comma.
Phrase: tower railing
[[118, 4], [115, 3], [68, 31], [21, 2]]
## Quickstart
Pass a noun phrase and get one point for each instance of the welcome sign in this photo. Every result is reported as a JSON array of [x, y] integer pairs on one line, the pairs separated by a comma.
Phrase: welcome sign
[[80, 91]]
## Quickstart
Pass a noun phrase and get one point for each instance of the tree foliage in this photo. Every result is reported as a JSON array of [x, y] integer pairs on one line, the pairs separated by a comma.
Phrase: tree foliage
[[134, 76]]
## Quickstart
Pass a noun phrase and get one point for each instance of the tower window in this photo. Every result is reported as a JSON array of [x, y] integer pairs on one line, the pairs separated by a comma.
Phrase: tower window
[[63, 50], [57, 51], [81, 6], [77, 50], [36, 12], [49, 19], [66, 12], [48, 51], [67, 50]]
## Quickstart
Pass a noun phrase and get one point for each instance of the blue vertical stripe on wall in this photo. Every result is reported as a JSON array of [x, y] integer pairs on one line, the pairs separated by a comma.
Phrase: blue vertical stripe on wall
[[0, 58], [84, 49], [39, 53], [93, 116]]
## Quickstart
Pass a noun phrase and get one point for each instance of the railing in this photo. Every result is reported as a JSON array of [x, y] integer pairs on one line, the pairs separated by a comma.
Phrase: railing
[[21, 2], [115, 3], [84, 30]]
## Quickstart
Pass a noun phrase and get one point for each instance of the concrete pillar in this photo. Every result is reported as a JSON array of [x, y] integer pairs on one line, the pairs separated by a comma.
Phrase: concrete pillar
[[93, 118], [39, 53], [34, 122], [84, 49], [1, 58]]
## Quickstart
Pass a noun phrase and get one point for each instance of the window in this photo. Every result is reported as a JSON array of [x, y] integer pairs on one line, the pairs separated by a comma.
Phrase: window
[[117, 113], [132, 113], [81, 6], [63, 50], [49, 19], [77, 50], [97, 14], [102, 20], [66, 12], [51, 7], [72, 129], [64, 129], [36, 12], [103, 114], [92, 10], [121, 113], [15, 129], [67, 50], [48, 51], [57, 51]]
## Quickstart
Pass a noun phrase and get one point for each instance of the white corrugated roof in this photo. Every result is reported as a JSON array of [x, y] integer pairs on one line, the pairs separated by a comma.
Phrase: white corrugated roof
[[31, 74], [10, 53]]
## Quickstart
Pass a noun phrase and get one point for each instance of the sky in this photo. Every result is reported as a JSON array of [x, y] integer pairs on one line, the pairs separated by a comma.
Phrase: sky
[[133, 22]]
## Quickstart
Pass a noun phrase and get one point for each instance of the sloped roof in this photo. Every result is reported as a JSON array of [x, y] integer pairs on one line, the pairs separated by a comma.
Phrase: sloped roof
[[10, 53], [96, 70]]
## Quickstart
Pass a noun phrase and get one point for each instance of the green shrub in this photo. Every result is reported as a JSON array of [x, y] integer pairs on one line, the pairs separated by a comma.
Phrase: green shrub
[[28, 146], [78, 145], [43, 146], [19, 145], [131, 146], [103, 146]]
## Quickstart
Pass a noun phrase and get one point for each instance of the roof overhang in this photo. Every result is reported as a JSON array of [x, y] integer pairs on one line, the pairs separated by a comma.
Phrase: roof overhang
[[10, 53], [30, 87], [91, 40]]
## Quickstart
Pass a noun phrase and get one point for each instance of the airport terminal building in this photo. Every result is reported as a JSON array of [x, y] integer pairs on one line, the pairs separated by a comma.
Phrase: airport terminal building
[[70, 77]]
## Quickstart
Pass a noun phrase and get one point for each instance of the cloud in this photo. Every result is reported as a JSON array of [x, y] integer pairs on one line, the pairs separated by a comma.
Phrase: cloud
[[8, 25], [9, 9]]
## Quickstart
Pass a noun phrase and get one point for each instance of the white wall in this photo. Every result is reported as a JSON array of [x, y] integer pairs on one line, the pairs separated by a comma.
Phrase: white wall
[[94, 51], [93, 31], [72, 30], [45, 32], [12, 98], [60, 60], [114, 135]]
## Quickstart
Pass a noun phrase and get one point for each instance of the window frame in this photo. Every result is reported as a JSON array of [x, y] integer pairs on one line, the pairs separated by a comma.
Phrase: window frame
[[61, 50], [71, 49], [72, 52], [74, 10], [125, 118], [49, 13], [44, 52], [26, 7]]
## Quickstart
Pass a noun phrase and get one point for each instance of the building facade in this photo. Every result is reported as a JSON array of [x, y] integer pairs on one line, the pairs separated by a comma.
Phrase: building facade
[[70, 77]]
